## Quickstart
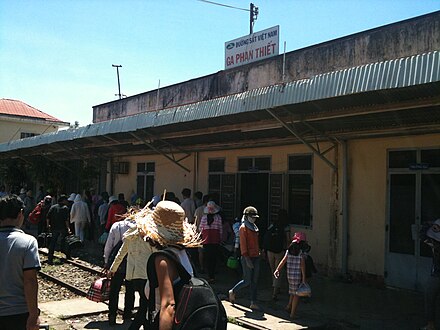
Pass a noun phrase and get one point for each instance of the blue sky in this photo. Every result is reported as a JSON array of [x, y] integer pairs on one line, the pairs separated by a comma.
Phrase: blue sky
[[57, 56]]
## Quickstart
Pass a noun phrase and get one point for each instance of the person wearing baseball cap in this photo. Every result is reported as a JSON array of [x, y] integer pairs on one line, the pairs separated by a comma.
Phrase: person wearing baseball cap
[[250, 256]]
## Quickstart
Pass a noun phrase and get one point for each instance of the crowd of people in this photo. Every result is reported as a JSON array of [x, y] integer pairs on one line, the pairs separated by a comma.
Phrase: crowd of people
[[203, 236], [218, 237], [195, 229]]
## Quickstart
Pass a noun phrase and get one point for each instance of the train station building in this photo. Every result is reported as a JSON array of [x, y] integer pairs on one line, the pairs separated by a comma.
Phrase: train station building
[[345, 135]]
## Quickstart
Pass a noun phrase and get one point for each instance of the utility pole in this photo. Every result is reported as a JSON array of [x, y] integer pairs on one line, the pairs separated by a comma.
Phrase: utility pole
[[119, 84], [253, 13]]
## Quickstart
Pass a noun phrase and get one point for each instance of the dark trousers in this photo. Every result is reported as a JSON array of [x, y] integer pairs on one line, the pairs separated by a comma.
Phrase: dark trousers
[[16, 322], [64, 246], [141, 315], [41, 226], [211, 252], [432, 291], [115, 287]]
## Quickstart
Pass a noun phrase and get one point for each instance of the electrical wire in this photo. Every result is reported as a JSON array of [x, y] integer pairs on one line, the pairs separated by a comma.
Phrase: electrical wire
[[223, 5]]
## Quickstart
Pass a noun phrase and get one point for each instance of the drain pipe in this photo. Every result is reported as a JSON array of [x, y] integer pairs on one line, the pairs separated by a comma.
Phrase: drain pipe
[[344, 239], [196, 172], [110, 177]]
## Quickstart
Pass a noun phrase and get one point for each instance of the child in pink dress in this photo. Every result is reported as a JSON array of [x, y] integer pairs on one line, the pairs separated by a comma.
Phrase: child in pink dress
[[296, 270]]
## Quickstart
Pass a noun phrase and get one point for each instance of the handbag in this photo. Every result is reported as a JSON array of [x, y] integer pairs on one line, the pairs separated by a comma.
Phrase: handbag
[[99, 290], [232, 262], [303, 290], [103, 238]]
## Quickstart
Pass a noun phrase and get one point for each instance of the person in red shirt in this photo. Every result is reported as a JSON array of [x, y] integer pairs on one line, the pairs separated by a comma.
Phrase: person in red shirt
[[115, 210], [250, 256]]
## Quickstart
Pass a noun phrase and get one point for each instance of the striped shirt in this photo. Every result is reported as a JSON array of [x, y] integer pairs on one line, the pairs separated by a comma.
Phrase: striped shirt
[[211, 234]]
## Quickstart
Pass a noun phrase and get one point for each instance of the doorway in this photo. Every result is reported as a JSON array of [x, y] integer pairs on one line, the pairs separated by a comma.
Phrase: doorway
[[413, 194], [254, 191]]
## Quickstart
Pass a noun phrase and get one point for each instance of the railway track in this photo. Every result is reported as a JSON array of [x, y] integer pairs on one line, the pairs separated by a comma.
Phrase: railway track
[[76, 276], [69, 279]]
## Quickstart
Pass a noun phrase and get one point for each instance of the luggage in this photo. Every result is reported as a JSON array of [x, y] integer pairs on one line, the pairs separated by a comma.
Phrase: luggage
[[37, 213], [73, 242], [44, 240], [99, 290]]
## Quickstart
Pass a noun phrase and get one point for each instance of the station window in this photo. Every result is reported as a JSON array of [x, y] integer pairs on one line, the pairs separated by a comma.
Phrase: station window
[[216, 168], [221, 186], [145, 180], [300, 189], [254, 164], [216, 165], [430, 157], [24, 135], [402, 158]]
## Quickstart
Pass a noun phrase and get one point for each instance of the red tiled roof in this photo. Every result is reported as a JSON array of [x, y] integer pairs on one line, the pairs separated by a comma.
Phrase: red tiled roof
[[18, 108]]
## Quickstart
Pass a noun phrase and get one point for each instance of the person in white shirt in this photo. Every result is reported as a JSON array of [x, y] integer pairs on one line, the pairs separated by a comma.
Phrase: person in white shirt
[[80, 216], [115, 236], [188, 205]]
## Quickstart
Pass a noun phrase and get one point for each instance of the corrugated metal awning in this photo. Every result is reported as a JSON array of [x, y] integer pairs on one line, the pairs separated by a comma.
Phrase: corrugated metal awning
[[399, 74]]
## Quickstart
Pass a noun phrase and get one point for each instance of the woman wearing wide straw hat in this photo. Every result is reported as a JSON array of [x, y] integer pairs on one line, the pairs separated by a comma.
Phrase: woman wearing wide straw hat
[[166, 227], [211, 227]]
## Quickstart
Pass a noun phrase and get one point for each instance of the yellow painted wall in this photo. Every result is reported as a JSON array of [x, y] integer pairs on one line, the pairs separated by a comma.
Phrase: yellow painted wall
[[368, 198], [173, 178], [367, 193], [168, 175], [11, 129]]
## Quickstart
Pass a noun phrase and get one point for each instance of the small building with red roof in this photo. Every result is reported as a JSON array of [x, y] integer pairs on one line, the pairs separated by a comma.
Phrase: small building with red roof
[[19, 120]]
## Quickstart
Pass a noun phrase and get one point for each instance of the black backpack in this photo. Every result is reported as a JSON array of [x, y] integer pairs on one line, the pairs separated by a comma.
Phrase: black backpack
[[274, 239], [197, 305], [310, 266]]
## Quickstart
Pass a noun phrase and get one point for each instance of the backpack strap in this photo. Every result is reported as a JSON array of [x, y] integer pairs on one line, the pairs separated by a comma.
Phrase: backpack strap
[[152, 276], [170, 255]]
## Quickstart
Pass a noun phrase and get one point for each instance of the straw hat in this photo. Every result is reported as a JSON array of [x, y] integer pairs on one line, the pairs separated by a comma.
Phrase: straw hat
[[167, 225]]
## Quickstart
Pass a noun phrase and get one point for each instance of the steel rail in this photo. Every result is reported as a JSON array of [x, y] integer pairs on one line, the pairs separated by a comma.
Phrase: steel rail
[[76, 263]]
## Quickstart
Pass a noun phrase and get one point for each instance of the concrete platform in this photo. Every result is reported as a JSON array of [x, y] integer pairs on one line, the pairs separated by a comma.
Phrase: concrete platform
[[124, 326], [72, 307], [79, 306], [335, 304], [55, 312]]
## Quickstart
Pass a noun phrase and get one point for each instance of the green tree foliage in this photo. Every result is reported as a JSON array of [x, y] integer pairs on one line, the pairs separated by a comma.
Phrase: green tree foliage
[[14, 173], [51, 174], [56, 176]]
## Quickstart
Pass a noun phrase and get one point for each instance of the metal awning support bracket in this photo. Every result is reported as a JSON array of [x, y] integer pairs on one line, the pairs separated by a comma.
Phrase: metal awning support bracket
[[77, 154], [299, 137], [171, 157]]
